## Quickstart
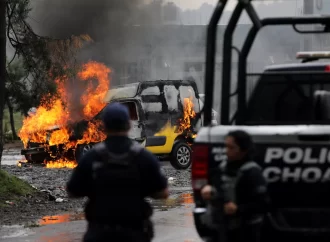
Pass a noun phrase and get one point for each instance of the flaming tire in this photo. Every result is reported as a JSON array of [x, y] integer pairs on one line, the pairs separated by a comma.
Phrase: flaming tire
[[181, 156]]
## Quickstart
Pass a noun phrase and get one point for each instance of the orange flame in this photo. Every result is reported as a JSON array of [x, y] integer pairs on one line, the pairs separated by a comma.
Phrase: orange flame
[[61, 163], [20, 162], [188, 114], [60, 136], [55, 111], [93, 134], [93, 99], [34, 127]]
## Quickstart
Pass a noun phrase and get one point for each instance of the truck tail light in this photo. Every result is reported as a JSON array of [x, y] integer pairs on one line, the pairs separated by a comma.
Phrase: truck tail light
[[327, 68], [199, 171]]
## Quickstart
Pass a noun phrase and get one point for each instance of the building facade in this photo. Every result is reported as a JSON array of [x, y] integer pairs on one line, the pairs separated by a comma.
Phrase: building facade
[[178, 51]]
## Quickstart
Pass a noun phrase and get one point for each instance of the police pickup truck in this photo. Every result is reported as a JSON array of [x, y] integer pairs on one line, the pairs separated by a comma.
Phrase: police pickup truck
[[288, 125], [286, 109]]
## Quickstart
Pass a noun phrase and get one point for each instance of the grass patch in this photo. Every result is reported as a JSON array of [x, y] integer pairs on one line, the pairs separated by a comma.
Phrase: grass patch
[[12, 188]]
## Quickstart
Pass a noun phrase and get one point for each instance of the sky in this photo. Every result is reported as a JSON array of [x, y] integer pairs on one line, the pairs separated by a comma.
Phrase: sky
[[193, 4]]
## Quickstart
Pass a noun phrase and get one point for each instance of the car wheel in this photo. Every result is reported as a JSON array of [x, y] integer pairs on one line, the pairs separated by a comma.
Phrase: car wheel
[[82, 150], [181, 156]]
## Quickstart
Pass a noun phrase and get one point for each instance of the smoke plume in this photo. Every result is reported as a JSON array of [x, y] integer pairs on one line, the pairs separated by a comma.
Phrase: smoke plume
[[103, 20]]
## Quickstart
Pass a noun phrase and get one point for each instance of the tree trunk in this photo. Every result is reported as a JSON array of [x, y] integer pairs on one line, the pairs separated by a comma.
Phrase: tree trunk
[[2, 68], [11, 116]]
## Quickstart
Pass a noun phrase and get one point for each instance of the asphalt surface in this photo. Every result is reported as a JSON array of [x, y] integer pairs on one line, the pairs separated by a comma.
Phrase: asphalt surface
[[172, 218], [173, 225], [11, 157]]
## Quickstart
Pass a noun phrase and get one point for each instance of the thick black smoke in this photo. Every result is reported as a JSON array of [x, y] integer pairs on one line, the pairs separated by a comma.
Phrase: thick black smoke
[[103, 20], [62, 18]]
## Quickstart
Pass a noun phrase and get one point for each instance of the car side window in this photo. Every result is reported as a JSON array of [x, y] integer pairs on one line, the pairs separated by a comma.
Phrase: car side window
[[132, 110], [188, 92]]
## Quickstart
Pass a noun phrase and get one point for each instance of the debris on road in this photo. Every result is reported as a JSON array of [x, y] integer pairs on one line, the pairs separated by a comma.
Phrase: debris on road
[[53, 198], [170, 180]]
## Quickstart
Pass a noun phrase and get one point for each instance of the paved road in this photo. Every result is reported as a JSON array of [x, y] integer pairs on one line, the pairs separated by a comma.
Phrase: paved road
[[173, 225], [11, 156]]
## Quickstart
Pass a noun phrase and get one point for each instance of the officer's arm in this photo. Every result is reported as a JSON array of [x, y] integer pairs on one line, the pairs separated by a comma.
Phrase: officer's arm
[[260, 200], [80, 181], [155, 181]]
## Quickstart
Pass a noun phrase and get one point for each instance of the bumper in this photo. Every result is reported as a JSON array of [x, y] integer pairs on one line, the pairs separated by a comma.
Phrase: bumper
[[33, 151], [271, 231], [38, 154]]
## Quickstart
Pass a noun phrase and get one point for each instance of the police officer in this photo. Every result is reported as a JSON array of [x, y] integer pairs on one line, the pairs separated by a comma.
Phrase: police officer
[[244, 187], [116, 176]]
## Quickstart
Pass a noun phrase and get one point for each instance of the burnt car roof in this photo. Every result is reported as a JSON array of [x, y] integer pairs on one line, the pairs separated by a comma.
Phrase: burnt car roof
[[132, 90], [158, 82]]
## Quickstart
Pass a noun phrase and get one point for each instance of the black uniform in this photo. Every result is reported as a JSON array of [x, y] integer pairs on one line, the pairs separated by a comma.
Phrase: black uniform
[[116, 209], [245, 185]]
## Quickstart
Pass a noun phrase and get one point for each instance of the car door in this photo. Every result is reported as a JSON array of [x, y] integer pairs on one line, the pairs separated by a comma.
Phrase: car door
[[137, 130]]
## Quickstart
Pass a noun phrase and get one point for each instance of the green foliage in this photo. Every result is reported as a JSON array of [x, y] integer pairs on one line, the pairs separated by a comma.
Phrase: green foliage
[[23, 92], [11, 188], [38, 61], [18, 118]]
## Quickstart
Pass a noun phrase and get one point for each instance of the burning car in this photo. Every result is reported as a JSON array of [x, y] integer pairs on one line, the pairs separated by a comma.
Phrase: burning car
[[163, 115], [53, 131]]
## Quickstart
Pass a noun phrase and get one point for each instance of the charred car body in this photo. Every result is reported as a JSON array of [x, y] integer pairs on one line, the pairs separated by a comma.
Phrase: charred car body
[[163, 115], [286, 110]]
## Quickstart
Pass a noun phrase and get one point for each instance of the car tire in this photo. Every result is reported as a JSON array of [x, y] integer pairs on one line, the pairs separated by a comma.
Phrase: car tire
[[82, 150], [181, 156]]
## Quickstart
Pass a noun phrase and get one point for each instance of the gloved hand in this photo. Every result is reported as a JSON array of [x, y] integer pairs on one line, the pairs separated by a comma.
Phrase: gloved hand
[[208, 192], [230, 208]]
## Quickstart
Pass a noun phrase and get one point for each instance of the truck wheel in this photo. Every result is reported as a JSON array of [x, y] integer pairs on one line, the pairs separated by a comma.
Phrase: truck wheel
[[181, 156], [81, 150]]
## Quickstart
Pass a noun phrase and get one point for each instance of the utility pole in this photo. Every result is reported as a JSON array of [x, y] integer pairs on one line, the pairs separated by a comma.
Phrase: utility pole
[[2, 69], [308, 9]]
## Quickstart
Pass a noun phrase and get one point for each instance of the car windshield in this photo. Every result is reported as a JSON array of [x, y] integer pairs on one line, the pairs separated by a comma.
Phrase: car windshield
[[127, 91], [131, 107]]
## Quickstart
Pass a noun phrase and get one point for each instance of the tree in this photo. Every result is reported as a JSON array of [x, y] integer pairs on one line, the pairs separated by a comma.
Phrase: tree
[[2, 69], [43, 59], [17, 94]]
